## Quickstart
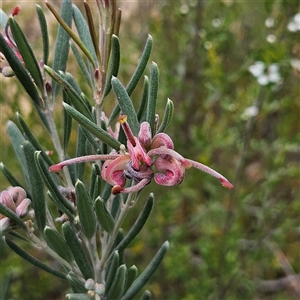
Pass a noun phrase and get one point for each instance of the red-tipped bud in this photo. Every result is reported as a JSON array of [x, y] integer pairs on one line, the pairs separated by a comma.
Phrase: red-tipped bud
[[16, 11]]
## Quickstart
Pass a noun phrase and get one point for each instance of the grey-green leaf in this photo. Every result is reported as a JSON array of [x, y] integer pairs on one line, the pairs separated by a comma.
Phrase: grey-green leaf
[[92, 127], [169, 110], [138, 225], [85, 210], [126, 105], [145, 276], [117, 288], [75, 247], [48, 178], [62, 46], [20, 72], [12, 215], [27, 53], [44, 31], [140, 67], [152, 98], [79, 297], [114, 63], [132, 274], [56, 242], [104, 217], [111, 270], [36, 187], [33, 260], [146, 295]]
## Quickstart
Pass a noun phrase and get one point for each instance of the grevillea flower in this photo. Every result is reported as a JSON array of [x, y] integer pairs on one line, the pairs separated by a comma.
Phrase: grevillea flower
[[146, 158], [14, 199]]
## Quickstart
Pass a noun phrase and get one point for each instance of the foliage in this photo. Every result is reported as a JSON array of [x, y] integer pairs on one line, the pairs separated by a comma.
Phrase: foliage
[[241, 244]]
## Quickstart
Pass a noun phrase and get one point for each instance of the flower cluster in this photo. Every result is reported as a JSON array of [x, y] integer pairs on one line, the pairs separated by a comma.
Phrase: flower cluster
[[146, 158], [14, 199]]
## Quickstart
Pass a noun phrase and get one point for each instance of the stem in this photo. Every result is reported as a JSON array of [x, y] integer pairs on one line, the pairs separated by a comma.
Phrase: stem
[[107, 248]]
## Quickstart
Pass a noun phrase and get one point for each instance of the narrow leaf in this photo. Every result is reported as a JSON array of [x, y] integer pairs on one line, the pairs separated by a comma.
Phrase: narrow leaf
[[67, 127], [114, 63], [104, 217], [61, 50], [44, 31], [146, 295], [169, 110], [20, 72], [12, 215], [27, 53], [80, 151], [52, 186], [32, 139], [125, 104], [140, 67], [11, 179], [111, 270], [85, 210], [79, 297], [143, 103], [83, 32], [77, 285], [17, 140], [117, 288], [82, 66], [92, 127], [36, 187], [56, 242], [138, 225], [33, 260], [152, 98], [76, 248], [132, 274], [145, 276]]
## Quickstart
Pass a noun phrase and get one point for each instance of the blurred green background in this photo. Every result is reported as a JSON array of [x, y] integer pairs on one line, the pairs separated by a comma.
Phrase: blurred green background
[[232, 69]]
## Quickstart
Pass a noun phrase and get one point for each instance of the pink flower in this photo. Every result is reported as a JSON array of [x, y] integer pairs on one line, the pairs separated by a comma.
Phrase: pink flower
[[14, 199], [146, 158]]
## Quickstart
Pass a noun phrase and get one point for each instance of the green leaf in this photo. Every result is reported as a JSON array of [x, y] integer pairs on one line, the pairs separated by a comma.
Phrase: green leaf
[[146, 295], [132, 274], [79, 297], [61, 51], [11, 215], [36, 187], [27, 53], [143, 103], [117, 288], [83, 32], [22, 253], [104, 217], [92, 127], [76, 284], [67, 127], [152, 98], [80, 151], [140, 67], [32, 139], [44, 31], [64, 205], [114, 63], [87, 76], [169, 110], [74, 97], [111, 270], [17, 140], [126, 105], [85, 210], [20, 72], [76, 248], [11, 179], [56, 242], [138, 225], [148, 272]]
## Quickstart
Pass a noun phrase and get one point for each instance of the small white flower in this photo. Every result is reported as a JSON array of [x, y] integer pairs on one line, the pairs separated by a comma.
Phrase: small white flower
[[271, 38], [251, 111], [257, 69], [269, 22], [294, 24], [295, 63]]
